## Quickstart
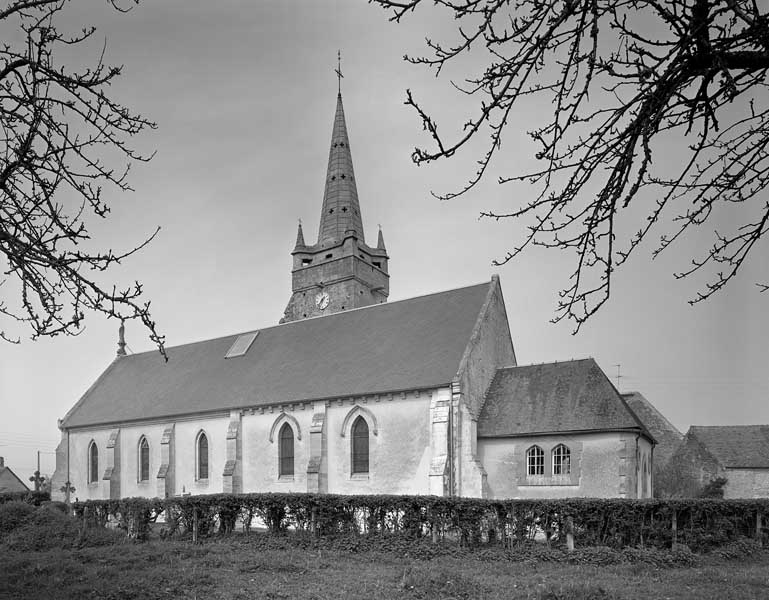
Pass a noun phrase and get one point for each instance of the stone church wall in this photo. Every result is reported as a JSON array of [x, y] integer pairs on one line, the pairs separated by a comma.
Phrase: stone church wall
[[185, 459], [603, 465], [129, 452], [490, 348], [747, 483], [261, 455], [399, 451]]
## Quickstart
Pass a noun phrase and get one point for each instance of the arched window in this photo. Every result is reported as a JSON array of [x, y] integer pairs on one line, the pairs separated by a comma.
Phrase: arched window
[[286, 450], [359, 446], [561, 460], [645, 480], [93, 463], [144, 459], [535, 461], [202, 452]]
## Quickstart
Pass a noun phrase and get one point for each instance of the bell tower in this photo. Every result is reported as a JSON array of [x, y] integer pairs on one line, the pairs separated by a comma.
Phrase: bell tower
[[340, 271]]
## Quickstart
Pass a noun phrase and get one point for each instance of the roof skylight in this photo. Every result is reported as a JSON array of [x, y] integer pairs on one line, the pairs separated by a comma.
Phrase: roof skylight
[[241, 345]]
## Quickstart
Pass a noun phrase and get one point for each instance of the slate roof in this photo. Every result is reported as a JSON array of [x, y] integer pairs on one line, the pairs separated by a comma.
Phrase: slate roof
[[736, 446], [10, 482], [411, 344], [668, 437], [554, 397]]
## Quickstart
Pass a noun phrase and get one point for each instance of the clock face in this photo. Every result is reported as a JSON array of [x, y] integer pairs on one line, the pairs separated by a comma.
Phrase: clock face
[[322, 300]]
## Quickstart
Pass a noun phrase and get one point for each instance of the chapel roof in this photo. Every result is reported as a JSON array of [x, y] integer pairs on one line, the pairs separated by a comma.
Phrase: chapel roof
[[411, 344], [667, 435], [554, 397], [735, 446]]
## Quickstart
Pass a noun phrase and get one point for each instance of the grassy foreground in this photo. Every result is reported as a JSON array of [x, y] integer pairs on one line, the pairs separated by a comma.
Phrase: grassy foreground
[[242, 567]]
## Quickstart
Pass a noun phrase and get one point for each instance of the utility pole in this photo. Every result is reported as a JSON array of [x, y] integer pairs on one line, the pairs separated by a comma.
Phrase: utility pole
[[36, 478]]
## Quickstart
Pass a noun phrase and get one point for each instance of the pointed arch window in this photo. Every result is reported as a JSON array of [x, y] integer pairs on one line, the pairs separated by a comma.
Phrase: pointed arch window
[[359, 439], [561, 460], [286, 451], [535, 461], [202, 454], [645, 479], [144, 459], [93, 462]]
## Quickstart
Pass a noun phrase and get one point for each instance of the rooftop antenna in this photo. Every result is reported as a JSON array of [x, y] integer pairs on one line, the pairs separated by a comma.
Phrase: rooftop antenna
[[618, 376], [338, 70]]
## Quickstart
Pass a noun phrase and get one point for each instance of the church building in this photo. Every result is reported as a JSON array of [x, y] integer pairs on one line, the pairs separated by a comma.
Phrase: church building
[[351, 394]]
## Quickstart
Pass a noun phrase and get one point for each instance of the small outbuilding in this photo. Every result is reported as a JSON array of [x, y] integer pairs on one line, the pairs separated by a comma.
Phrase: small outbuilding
[[739, 453], [9, 481]]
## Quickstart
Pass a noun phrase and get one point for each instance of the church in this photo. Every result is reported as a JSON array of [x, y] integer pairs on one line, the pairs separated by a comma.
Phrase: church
[[351, 394]]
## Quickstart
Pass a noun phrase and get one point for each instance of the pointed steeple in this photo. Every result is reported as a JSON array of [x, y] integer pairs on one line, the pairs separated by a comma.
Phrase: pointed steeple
[[380, 245], [300, 236], [341, 211]]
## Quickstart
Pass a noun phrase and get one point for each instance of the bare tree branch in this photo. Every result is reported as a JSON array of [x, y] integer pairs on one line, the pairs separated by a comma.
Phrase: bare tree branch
[[55, 126], [623, 77]]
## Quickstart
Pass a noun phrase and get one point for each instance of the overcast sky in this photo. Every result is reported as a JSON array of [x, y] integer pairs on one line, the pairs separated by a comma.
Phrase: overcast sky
[[244, 95]]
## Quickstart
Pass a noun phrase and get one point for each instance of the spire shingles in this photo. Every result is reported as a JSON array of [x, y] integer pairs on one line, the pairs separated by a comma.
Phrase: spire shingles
[[341, 210]]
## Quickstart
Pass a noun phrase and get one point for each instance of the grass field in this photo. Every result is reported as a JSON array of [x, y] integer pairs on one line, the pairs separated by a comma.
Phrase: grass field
[[244, 566]]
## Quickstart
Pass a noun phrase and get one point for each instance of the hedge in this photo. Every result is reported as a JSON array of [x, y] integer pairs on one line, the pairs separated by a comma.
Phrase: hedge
[[701, 524], [30, 497]]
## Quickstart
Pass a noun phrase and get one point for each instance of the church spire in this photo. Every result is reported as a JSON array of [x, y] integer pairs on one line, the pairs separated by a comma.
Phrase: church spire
[[380, 245], [299, 236], [340, 216]]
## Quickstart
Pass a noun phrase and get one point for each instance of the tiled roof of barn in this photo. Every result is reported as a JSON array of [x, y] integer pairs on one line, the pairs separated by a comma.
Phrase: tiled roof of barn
[[667, 436], [411, 344], [554, 397], [736, 446]]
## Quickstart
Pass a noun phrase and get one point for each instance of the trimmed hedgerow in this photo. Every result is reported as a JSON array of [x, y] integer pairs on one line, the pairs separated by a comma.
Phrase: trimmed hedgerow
[[700, 524], [30, 497], [47, 528]]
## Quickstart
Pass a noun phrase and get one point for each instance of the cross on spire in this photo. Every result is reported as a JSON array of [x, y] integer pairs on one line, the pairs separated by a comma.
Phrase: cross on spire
[[338, 69]]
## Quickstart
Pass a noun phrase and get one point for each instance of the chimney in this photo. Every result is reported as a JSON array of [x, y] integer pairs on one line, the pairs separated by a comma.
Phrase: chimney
[[2, 462]]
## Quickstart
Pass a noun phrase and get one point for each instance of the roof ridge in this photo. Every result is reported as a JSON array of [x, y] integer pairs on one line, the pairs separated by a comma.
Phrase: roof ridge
[[656, 411], [552, 362], [725, 426]]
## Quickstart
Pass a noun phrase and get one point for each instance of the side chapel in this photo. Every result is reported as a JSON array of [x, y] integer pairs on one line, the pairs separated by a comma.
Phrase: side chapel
[[350, 394]]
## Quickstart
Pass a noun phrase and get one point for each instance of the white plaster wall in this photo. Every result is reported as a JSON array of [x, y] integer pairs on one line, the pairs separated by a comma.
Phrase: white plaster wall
[[747, 483], [644, 453], [78, 460], [185, 437], [260, 456], [399, 455], [598, 464], [130, 485]]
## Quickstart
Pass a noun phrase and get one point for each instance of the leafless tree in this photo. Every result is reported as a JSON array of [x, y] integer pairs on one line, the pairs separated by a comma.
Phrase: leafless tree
[[623, 77], [60, 133]]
